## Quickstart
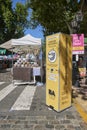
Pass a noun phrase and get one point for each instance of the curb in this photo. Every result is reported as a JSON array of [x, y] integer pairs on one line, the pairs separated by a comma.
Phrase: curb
[[81, 111]]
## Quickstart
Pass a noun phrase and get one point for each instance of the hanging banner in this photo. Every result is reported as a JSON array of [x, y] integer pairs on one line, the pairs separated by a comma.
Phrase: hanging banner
[[77, 44]]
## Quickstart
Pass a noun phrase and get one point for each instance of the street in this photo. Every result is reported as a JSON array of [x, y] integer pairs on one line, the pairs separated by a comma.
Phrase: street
[[23, 107]]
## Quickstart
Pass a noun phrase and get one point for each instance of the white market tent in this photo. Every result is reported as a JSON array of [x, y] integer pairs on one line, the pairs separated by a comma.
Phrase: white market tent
[[26, 40], [6, 45]]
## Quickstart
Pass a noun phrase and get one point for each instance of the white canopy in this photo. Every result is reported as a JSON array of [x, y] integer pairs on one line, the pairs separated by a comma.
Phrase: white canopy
[[6, 45], [26, 40]]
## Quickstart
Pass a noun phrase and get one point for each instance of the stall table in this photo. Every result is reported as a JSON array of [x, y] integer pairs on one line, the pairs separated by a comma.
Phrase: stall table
[[26, 74], [22, 73]]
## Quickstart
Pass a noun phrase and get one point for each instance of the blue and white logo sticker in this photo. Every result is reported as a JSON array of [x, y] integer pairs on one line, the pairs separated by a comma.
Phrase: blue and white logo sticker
[[52, 56]]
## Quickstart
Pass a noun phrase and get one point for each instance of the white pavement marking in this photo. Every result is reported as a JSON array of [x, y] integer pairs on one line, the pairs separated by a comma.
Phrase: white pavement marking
[[25, 99], [2, 83], [4, 92]]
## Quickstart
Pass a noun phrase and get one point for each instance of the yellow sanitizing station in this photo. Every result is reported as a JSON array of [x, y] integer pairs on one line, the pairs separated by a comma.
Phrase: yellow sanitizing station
[[58, 71]]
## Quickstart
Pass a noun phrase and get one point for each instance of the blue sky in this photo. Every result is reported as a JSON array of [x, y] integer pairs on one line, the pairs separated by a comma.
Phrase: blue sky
[[34, 32]]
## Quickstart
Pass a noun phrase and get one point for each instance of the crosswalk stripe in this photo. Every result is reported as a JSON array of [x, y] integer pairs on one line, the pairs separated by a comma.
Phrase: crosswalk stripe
[[5, 91], [25, 99], [2, 83]]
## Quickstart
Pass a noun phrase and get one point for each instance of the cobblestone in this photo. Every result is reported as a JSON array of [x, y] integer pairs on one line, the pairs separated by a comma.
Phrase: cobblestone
[[42, 124]]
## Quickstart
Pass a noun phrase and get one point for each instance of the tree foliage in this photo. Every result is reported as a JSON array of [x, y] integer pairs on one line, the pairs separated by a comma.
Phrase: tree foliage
[[54, 15], [13, 21], [84, 24]]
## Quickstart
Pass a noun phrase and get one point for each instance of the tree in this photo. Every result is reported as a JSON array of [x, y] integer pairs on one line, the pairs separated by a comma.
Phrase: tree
[[54, 15], [83, 6], [13, 21], [84, 24]]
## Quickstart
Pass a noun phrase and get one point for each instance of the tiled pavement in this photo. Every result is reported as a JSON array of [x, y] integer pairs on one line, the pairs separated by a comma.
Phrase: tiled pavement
[[39, 116]]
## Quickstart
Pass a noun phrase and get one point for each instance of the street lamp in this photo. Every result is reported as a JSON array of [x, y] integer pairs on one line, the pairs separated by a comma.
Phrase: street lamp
[[74, 25], [76, 22], [79, 16]]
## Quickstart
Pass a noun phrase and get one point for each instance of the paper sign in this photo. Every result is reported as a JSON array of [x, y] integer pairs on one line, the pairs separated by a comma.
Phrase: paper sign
[[36, 71]]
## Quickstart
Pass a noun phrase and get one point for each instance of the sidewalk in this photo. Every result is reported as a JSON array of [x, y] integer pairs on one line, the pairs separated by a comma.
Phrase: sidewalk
[[82, 102], [81, 106]]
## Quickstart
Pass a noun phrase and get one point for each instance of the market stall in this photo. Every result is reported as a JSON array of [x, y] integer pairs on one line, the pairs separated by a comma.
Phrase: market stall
[[27, 66], [6, 58]]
